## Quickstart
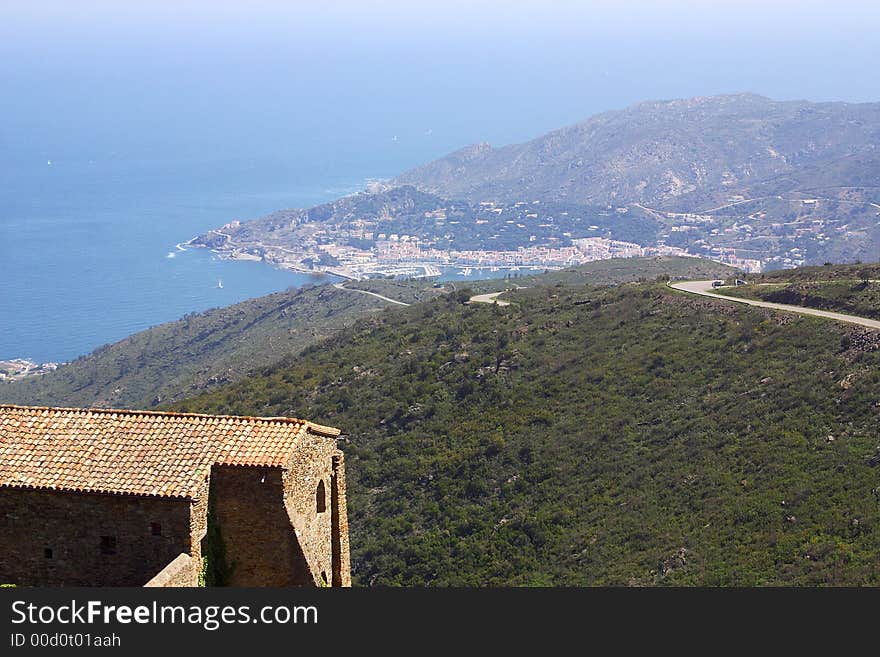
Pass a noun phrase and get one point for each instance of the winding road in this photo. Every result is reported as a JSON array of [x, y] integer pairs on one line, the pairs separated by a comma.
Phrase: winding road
[[704, 288], [492, 297], [701, 288], [479, 298], [341, 286]]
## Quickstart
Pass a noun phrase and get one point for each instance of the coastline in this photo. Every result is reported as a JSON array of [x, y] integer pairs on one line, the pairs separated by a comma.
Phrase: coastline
[[16, 369], [284, 258], [407, 270], [358, 264]]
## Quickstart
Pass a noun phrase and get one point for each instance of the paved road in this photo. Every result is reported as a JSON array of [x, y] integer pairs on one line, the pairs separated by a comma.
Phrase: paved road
[[480, 298], [489, 298], [341, 286], [703, 288]]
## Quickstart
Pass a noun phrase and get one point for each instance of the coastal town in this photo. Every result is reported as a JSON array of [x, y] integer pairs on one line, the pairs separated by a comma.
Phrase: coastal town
[[403, 232], [406, 256], [371, 235], [19, 368]]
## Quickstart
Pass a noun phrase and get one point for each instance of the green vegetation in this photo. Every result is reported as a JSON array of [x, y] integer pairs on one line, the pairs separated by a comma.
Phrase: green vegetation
[[407, 291], [829, 272], [201, 351], [584, 436], [182, 358], [850, 289], [853, 298], [617, 271], [215, 569]]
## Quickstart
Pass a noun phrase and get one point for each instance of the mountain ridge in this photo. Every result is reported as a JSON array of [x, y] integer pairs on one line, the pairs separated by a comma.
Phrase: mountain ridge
[[454, 175], [739, 178]]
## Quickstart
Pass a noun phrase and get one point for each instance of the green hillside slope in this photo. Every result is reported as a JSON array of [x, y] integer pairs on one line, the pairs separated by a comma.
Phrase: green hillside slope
[[850, 289], [617, 271], [181, 358], [580, 436]]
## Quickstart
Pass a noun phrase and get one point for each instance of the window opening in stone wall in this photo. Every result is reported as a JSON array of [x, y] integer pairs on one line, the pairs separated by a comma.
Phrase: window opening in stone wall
[[155, 529], [108, 545], [321, 498], [47, 552]]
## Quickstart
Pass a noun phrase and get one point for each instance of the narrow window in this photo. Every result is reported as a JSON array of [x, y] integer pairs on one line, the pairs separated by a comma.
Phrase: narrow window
[[321, 498], [155, 529], [47, 552], [108, 545]]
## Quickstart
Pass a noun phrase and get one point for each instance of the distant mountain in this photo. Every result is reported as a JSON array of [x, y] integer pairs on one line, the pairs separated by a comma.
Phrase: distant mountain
[[661, 152], [740, 178], [280, 228]]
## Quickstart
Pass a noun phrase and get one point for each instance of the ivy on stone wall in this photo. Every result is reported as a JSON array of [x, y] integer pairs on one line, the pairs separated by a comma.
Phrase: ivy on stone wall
[[215, 570]]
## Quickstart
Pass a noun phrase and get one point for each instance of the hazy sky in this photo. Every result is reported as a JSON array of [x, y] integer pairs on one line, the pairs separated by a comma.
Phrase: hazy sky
[[257, 77]]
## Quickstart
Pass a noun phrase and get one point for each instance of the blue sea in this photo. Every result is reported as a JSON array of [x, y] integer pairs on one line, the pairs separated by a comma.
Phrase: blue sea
[[89, 255], [92, 251]]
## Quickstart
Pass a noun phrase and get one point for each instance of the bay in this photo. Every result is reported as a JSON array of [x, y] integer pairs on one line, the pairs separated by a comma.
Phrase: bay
[[88, 249]]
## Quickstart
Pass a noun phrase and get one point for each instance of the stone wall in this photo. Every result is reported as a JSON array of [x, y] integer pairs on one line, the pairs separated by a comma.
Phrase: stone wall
[[341, 557], [65, 538], [260, 546], [198, 524], [308, 471], [279, 526], [181, 572]]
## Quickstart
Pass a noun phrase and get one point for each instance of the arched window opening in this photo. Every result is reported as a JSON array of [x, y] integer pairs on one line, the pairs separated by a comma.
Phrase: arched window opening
[[321, 498]]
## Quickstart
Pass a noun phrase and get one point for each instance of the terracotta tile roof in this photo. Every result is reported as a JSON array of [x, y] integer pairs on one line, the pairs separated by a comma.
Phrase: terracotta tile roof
[[135, 452]]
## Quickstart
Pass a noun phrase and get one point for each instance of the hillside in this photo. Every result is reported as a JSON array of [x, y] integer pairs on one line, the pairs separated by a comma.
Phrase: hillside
[[615, 272], [853, 290], [180, 359], [827, 272], [658, 152], [582, 436], [358, 220]]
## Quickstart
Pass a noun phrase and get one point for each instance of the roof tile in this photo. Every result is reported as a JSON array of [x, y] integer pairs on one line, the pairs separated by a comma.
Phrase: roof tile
[[135, 452]]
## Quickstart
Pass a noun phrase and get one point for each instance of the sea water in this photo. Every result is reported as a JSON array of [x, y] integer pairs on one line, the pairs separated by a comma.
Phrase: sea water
[[89, 249]]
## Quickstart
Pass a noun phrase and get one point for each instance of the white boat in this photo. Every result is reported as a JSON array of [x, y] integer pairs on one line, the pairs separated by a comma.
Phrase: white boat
[[220, 283]]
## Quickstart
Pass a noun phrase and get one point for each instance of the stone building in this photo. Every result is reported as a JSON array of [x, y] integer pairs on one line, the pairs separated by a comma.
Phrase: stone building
[[133, 498]]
